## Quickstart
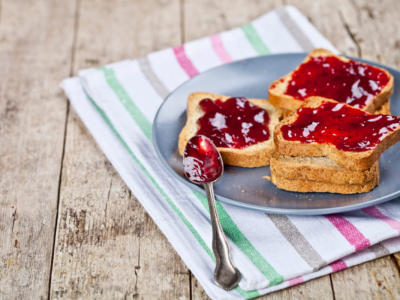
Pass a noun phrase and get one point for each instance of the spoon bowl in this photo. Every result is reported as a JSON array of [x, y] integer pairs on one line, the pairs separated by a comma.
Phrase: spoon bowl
[[202, 162], [203, 165]]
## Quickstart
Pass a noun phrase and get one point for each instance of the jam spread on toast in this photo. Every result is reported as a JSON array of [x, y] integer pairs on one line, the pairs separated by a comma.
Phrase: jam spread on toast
[[234, 123], [349, 82], [348, 128], [201, 160]]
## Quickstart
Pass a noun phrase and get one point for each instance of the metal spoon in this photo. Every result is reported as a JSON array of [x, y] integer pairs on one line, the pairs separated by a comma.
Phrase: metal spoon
[[203, 165]]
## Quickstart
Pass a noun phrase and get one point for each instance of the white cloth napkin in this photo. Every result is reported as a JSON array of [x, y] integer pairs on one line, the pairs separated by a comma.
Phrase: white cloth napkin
[[118, 102]]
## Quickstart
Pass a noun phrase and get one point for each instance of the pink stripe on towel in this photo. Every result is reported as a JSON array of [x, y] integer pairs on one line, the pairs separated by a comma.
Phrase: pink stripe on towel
[[219, 48], [184, 61], [350, 232], [338, 265], [296, 280], [374, 212]]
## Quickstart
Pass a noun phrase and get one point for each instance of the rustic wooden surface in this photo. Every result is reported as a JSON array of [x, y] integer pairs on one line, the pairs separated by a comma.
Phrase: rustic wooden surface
[[69, 227]]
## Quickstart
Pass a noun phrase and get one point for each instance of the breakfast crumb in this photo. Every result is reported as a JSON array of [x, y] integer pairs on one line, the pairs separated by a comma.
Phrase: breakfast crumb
[[267, 177]]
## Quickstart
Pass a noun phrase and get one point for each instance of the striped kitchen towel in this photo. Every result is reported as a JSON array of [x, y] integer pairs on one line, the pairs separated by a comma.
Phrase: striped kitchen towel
[[118, 102]]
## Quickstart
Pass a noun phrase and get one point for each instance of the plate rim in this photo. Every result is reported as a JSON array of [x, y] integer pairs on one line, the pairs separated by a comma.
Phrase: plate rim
[[273, 210]]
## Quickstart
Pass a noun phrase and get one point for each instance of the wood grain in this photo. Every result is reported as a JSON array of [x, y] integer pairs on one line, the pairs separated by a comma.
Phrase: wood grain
[[359, 29], [316, 289], [332, 20], [107, 246], [372, 27], [220, 15], [225, 15], [35, 56], [327, 17], [378, 279]]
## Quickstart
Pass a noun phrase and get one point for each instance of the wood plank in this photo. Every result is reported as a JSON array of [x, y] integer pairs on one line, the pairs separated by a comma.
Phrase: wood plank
[[218, 16], [369, 24], [378, 279], [107, 246], [373, 26], [327, 17], [36, 38], [361, 28], [396, 259], [94, 53], [316, 289]]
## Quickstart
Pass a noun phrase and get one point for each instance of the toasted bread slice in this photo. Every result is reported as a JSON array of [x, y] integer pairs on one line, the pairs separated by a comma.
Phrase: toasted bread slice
[[384, 109], [305, 186], [278, 97], [349, 159], [256, 155], [321, 169]]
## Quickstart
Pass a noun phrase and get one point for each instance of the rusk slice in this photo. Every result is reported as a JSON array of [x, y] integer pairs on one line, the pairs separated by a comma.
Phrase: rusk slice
[[321, 169], [384, 109], [277, 96], [305, 186], [361, 160], [256, 155]]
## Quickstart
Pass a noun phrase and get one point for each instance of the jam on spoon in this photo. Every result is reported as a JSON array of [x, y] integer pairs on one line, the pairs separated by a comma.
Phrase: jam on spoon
[[202, 162], [203, 165]]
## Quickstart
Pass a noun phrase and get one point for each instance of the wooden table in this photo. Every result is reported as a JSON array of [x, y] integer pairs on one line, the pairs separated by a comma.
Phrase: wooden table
[[69, 226]]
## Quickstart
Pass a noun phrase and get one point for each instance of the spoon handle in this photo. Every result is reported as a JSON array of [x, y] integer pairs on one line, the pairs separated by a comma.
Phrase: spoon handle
[[225, 274]]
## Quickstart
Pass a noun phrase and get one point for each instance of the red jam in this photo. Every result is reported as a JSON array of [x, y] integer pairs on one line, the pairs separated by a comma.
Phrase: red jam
[[234, 123], [202, 162], [350, 82], [347, 128]]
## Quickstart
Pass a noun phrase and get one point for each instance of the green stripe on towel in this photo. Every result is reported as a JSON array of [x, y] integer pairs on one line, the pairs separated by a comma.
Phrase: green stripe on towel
[[240, 240], [126, 100], [246, 294], [255, 40], [227, 223]]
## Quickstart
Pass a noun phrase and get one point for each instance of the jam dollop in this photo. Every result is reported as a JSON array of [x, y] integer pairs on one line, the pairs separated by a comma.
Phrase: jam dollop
[[350, 82], [348, 128], [202, 162], [234, 123]]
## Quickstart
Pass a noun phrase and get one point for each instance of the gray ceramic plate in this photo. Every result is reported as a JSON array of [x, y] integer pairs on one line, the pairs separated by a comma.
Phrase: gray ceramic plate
[[247, 187]]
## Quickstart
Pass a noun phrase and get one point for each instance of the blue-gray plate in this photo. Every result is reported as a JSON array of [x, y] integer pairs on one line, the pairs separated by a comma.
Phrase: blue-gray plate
[[246, 187]]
